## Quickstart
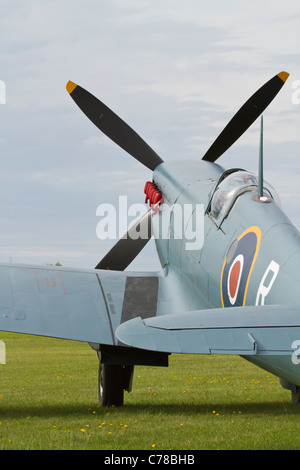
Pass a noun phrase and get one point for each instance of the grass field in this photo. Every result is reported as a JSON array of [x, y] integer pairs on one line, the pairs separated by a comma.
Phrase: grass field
[[48, 400]]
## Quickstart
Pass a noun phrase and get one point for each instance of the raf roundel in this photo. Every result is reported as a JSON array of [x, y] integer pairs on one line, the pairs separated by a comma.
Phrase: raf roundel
[[234, 278], [237, 267]]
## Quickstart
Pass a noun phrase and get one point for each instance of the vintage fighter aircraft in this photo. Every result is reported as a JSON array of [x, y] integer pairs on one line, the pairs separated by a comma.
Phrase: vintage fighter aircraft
[[232, 290]]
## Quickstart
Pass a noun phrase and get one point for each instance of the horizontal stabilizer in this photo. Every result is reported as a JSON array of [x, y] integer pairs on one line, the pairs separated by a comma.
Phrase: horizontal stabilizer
[[262, 330]]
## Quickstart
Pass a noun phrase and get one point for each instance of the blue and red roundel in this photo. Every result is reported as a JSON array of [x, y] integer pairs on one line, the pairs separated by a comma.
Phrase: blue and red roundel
[[237, 267]]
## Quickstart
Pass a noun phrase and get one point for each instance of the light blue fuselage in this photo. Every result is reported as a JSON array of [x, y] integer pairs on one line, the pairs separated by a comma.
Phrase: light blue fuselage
[[269, 260]]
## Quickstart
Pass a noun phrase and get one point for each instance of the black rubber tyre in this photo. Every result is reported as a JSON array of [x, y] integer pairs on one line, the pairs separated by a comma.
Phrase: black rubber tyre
[[110, 385], [296, 396]]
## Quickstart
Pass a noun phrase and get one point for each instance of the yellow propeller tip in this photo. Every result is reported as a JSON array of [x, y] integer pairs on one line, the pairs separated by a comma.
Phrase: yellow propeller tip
[[283, 76], [70, 86]]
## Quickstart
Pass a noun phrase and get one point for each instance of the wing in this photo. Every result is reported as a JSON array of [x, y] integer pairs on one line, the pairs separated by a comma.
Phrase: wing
[[263, 330], [85, 305], [106, 307]]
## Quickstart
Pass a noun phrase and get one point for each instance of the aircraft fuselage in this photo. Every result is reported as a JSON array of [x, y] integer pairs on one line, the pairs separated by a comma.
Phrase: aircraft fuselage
[[249, 257]]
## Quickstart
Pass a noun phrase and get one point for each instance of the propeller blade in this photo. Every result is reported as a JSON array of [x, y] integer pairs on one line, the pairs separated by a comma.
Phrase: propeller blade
[[129, 246], [112, 126], [246, 115]]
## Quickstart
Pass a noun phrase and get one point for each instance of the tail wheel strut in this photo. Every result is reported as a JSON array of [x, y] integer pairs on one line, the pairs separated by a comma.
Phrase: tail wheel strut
[[113, 379], [296, 395]]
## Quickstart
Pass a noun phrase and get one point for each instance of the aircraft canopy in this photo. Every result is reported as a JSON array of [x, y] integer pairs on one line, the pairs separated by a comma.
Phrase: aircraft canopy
[[229, 187]]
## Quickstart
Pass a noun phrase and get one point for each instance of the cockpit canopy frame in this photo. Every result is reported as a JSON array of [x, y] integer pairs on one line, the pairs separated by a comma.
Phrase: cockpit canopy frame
[[232, 184]]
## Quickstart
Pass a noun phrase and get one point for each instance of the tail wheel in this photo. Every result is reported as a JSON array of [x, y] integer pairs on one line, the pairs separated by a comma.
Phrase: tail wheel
[[110, 384], [296, 395]]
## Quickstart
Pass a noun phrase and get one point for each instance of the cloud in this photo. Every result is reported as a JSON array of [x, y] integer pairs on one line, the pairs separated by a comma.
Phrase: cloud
[[175, 72]]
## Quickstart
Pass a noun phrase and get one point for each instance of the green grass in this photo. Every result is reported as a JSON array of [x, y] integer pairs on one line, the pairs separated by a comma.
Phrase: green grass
[[48, 400]]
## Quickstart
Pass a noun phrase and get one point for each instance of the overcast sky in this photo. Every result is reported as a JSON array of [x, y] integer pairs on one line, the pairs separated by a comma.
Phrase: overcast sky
[[174, 71]]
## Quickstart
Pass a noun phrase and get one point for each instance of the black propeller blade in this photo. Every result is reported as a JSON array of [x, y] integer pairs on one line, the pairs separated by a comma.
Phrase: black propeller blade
[[246, 115], [129, 246], [112, 126]]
